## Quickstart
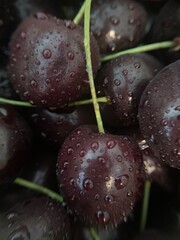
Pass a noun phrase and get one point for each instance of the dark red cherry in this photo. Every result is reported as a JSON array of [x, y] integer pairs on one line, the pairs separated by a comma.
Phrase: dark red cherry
[[47, 64], [54, 127], [99, 176], [15, 143], [159, 114], [38, 218], [124, 80], [117, 24]]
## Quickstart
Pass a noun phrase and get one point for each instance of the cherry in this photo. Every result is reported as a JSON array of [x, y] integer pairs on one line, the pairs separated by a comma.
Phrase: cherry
[[47, 63], [38, 218], [124, 80], [54, 127], [159, 114], [117, 24], [99, 176], [15, 143]]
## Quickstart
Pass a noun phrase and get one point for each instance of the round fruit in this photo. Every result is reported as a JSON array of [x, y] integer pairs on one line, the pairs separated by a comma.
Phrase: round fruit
[[38, 218], [99, 176], [15, 143], [47, 64], [124, 80], [117, 24], [159, 114]]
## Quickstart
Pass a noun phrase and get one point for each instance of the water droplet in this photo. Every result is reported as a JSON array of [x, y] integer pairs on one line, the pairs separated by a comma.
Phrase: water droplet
[[47, 53], [131, 21], [43, 101], [111, 144], [109, 198], [102, 217], [65, 165], [121, 181], [114, 20], [88, 184], [119, 158], [23, 35], [96, 197], [117, 82], [33, 83], [18, 46], [101, 160], [70, 55], [125, 72], [137, 65], [72, 182], [164, 122], [82, 153], [94, 146], [70, 151], [22, 77]]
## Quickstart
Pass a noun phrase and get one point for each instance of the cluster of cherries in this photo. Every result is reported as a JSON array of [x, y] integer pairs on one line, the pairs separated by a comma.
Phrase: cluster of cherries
[[57, 142]]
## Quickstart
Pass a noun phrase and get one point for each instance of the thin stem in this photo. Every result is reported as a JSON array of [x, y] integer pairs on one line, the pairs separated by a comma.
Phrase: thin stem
[[88, 101], [145, 205], [16, 103], [94, 234], [80, 14], [39, 188], [144, 48], [89, 64]]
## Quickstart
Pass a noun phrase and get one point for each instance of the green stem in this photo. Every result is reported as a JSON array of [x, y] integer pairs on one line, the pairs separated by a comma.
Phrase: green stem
[[144, 48], [89, 64], [80, 14], [16, 103], [39, 188], [145, 205], [94, 234], [88, 101]]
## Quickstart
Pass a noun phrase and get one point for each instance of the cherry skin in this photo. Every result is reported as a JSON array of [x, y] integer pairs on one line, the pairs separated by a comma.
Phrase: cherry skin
[[37, 218], [117, 24], [99, 176], [47, 64], [159, 114], [124, 80]]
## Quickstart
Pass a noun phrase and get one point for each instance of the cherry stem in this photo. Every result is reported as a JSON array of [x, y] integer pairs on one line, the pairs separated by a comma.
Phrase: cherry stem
[[94, 234], [77, 103], [145, 205], [89, 64], [89, 101], [143, 48], [39, 188], [16, 103], [80, 14]]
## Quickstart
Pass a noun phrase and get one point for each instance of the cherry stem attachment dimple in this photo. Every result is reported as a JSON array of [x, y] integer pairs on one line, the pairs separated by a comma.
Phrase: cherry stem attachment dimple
[[89, 64], [80, 14], [145, 205], [140, 49]]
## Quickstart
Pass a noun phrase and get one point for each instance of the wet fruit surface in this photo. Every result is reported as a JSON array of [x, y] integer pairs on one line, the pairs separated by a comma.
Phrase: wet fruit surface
[[117, 24], [47, 62], [124, 80], [15, 143], [99, 176], [159, 114], [38, 218]]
